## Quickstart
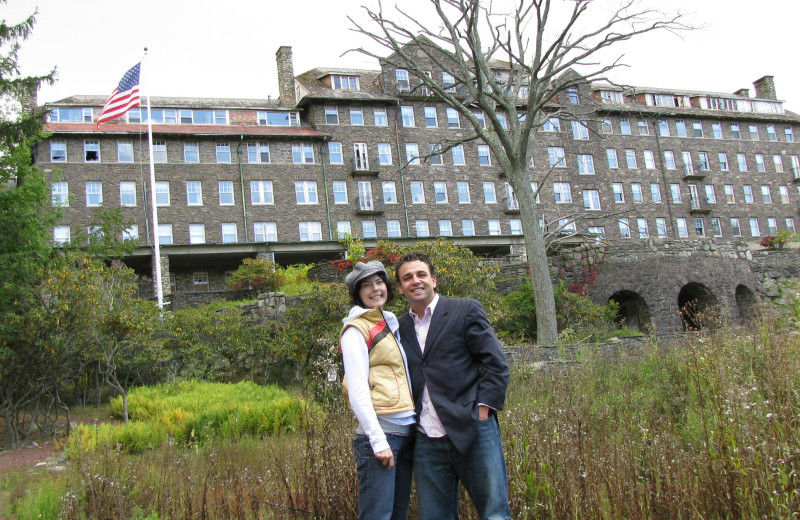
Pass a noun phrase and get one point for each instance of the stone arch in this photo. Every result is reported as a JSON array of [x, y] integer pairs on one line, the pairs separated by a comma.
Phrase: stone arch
[[698, 306], [633, 309], [746, 304]]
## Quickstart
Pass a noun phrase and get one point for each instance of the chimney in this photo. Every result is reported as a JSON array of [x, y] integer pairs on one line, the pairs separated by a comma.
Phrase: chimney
[[285, 76], [29, 99], [743, 92], [765, 88]]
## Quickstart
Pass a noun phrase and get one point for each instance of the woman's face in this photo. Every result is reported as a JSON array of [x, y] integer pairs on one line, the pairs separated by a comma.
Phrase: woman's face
[[373, 292]]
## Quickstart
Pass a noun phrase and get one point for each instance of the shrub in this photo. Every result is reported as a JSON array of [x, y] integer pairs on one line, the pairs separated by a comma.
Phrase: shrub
[[255, 275], [43, 502], [778, 241]]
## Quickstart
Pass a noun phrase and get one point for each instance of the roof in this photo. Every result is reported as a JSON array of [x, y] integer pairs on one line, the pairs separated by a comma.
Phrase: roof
[[179, 102], [370, 84], [135, 128]]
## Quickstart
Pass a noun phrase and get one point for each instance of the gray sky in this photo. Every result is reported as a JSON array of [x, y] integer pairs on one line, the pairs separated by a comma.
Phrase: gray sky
[[227, 49]]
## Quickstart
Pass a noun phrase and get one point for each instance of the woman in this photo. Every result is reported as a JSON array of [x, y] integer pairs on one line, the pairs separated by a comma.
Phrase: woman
[[377, 387]]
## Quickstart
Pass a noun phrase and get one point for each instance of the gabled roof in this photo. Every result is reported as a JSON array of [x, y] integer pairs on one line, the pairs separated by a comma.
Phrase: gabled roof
[[369, 82]]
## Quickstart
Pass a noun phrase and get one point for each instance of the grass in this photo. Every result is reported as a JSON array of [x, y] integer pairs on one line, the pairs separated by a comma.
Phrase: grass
[[707, 427]]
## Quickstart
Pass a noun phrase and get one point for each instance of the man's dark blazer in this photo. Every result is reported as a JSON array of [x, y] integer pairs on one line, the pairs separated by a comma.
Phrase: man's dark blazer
[[463, 365]]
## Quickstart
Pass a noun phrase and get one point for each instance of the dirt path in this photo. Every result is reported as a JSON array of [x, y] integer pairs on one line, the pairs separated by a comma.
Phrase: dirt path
[[28, 456]]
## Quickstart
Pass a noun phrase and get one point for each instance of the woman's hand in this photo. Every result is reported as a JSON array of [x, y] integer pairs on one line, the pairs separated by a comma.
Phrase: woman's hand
[[386, 457]]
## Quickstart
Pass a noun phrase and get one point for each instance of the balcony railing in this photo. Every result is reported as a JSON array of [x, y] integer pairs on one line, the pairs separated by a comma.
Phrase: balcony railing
[[699, 205], [512, 206], [365, 166], [369, 205]]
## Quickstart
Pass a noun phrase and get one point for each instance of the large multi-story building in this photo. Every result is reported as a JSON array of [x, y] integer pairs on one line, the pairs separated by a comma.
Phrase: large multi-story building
[[355, 151]]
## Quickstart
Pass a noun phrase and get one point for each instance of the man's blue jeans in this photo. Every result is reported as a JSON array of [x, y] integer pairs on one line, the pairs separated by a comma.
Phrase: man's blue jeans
[[383, 494], [438, 467]]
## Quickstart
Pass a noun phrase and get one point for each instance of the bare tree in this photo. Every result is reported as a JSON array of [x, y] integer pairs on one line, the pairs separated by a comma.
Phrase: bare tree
[[536, 50]]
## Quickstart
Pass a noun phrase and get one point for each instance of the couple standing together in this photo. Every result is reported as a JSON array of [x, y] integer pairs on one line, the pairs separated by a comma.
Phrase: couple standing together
[[428, 384]]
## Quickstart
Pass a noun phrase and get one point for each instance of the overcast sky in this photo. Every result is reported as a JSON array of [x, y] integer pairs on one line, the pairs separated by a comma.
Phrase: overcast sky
[[201, 48]]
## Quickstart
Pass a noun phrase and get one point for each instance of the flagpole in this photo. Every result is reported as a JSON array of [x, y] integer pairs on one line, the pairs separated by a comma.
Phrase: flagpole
[[156, 245]]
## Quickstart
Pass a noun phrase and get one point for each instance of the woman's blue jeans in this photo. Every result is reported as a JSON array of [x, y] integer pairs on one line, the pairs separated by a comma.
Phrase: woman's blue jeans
[[383, 494]]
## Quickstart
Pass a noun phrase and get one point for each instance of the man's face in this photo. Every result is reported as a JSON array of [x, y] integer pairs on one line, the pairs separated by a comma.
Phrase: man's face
[[416, 284]]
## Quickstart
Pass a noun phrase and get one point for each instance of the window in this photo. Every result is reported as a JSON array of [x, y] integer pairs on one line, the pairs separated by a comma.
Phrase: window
[[343, 228], [562, 193], [389, 192], [675, 192], [599, 231], [699, 227], [555, 155], [552, 125], [641, 226], [649, 160], [435, 156], [393, 228], [261, 192], [223, 153], [585, 165], [407, 115], [766, 195], [663, 128], [789, 221], [94, 194], [501, 117], [421, 227], [784, 194], [489, 195], [697, 129], [463, 192], [481, 117], [511, 198], [458, 155], [452, 118], [771, 135], [430, 117], [748, 194], [484, 159], [788, 133], [191, 153], [265, 232], [335, 153], [211, 117], [772, 226], [730, 197], [711, 195], [467, 228], [58, 150], [624, 127], [339, 192], [331, 115], [683, 232], [669, 159], [611, 96], [494, 227], [91, 151], [572, 95], [225, 193], [716, 228], [440, 192], [360, 159], [630, 158], [124, 151], [753, 132], [356, 116], [165, 234], [606, 126], [312, 231], [688, 167], [795, 166], [778, 161], [515, 225], [591, 200], [417, 193], [162, 193], [716, 129], [412, 153], [273, 118], [644, 129], [619, 195], [59, 194], [736, 228], [535, 190], [127, 193], [655, 193], [735, 133], [384, 153], [230, 234], [259, 153], [61, 235], [661, 227], [611, 155], [131, 233], [636, 193], [723, 161], [680, 128], [380, 117], [401, 75], [760, 166], [448, 82], [624, 228], [445, 228], [754, 229], [302, 154], [197, 233], [741, 160], [70, 115], [344, 82], [704, 164], [305, 192], [194, 193], [579, 130]]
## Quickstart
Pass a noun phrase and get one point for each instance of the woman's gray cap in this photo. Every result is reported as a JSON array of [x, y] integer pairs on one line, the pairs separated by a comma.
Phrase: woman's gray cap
[[363, 270]]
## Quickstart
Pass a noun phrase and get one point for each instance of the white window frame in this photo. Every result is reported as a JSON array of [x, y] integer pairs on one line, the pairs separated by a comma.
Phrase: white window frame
[[127, 191], [194, 193], [226, 194], [261, 193]]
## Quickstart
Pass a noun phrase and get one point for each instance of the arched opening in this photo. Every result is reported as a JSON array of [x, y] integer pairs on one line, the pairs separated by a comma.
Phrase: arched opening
[[698, 307], [747, 304], [632, 310]]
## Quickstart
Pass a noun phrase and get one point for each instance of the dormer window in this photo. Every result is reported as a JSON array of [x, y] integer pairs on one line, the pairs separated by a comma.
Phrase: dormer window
[[345, 82], [611, 96], [448, 82], [275, 118], [401, 75], [71, 115], [572, 93]]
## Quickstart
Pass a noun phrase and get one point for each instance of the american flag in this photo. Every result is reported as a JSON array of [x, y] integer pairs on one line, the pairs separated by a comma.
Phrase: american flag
[[124, 97]]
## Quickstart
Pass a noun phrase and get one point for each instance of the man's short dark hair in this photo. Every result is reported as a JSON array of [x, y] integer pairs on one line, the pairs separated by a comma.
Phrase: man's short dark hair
[[355, 297], [413, 257]]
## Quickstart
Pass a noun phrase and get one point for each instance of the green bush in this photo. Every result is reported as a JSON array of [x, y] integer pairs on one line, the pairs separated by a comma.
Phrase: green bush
[[132, 437], [43, 502], [255, 275]]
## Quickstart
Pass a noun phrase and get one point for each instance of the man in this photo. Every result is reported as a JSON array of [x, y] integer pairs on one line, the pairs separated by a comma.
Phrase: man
[[459, 376]]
